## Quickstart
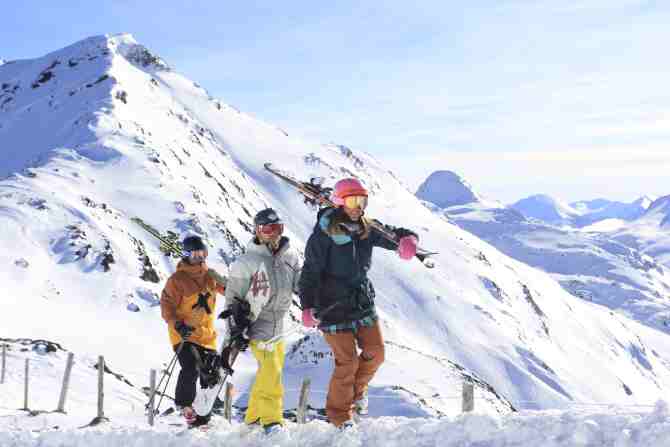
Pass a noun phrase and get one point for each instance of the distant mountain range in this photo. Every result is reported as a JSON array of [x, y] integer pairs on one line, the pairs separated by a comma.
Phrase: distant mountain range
[[622, 269], [580, 214]]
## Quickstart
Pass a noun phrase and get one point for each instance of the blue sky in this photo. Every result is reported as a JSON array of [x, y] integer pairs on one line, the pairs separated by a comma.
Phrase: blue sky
[[569, 98]]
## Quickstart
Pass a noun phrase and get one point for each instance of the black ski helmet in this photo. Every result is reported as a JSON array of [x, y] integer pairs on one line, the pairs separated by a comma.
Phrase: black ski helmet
[[193, 243], [267, 216]]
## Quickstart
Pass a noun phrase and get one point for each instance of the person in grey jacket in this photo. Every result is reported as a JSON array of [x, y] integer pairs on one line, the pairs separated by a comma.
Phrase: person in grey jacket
[[263, 281]]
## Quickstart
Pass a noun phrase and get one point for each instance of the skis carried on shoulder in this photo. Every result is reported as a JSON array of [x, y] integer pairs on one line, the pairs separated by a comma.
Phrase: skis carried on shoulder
[[317, 195], [170, 245]]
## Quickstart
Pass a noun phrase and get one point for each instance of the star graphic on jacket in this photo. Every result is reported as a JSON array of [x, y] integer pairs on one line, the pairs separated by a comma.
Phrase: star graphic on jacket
[[202, 302]]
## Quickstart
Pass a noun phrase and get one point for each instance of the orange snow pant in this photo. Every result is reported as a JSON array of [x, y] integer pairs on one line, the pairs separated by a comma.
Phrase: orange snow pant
[[352, 372]]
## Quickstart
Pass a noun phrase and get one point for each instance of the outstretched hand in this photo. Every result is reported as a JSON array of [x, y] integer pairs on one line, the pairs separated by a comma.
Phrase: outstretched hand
[[407, 247], [308, 318]]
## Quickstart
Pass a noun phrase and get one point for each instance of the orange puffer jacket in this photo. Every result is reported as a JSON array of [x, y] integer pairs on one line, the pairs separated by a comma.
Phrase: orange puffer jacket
[[190, 296]]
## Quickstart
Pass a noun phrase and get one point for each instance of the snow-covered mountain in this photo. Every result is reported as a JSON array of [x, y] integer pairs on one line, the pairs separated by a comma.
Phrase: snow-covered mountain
[[104, 130], [580, 214], [650, 233], [446, 188], [593, 211], [659, 211], [593, 265], [546, 209]]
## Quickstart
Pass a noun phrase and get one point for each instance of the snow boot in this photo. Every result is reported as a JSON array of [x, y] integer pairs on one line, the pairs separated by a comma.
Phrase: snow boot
[[361, 405]]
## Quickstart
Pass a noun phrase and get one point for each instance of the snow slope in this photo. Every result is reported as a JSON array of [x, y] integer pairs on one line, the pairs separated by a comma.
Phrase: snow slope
[[580, 214], [651, 232], [592, 265], [104, 130]]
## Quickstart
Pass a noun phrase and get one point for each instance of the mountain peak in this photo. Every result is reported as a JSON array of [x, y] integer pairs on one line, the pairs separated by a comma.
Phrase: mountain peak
[[126, 45], [645, 201], [545, 208], [660, 206], [445, 189], [123, 44], [78, 83]]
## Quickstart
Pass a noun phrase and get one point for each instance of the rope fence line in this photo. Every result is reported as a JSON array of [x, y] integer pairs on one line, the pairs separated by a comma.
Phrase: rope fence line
[[62, 396], [467, 397]]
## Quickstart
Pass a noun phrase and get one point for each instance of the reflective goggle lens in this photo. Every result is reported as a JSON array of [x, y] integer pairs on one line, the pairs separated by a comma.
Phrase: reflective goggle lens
[[356, 202], [271, 228], [197, 255]]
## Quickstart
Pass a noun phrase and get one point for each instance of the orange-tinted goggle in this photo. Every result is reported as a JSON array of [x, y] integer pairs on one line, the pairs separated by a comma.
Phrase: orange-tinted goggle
[[356, 202], [270, 229]]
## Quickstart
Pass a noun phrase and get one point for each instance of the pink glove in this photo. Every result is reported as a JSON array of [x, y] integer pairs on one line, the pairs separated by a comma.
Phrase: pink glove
[[308, 319], [407, 247]]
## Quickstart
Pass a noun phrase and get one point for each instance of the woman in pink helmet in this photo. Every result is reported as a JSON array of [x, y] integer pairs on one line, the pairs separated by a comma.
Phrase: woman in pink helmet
[[338, 297]]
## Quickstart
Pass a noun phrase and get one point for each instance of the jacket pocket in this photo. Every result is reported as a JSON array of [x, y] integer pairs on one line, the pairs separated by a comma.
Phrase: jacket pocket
[[364, 295]]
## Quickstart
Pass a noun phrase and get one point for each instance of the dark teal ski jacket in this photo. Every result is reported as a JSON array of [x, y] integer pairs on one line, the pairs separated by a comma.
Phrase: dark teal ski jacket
[[334, 279]]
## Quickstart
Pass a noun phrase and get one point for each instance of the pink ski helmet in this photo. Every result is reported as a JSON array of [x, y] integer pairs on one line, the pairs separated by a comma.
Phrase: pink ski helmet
[[345, 188]]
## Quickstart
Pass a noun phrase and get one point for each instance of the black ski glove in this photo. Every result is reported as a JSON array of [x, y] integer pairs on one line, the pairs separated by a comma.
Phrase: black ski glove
[[183, 329], [238, 339], [240, 310]]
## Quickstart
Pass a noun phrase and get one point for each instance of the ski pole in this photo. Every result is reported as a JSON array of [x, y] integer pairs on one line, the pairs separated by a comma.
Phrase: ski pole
[[264, 345], [169, 375], [268, 345], [233, 356], [165, 373]]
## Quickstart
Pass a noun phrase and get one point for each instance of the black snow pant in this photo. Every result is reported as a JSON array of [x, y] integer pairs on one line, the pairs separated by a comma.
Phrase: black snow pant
[[188, 376]]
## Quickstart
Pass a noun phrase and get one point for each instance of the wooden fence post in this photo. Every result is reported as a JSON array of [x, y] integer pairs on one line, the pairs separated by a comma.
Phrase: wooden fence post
[[101, 387], [101, 393], [152, 385], [301, 414], [4, 361], [228, 402], [66, 383], [468, 396], [25, 389]]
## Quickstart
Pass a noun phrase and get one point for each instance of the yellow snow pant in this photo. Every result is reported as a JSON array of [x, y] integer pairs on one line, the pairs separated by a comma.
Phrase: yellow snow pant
[[266, 402]]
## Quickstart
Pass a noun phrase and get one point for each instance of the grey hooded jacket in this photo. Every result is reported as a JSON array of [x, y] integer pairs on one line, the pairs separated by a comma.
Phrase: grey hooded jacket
[[268, 283]]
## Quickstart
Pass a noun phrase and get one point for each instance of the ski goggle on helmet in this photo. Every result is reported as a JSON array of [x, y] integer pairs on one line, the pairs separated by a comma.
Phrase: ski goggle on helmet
[[270, 229], [195, 255], [350, 193], [353, 202], [194, 249], [268, 223]]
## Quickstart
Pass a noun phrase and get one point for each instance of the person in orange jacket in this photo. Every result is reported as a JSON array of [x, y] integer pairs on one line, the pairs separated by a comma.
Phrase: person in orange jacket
[[188, 304]]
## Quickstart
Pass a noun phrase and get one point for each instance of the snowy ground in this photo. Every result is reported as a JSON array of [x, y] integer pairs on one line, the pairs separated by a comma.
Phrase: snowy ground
[[578, 427]]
